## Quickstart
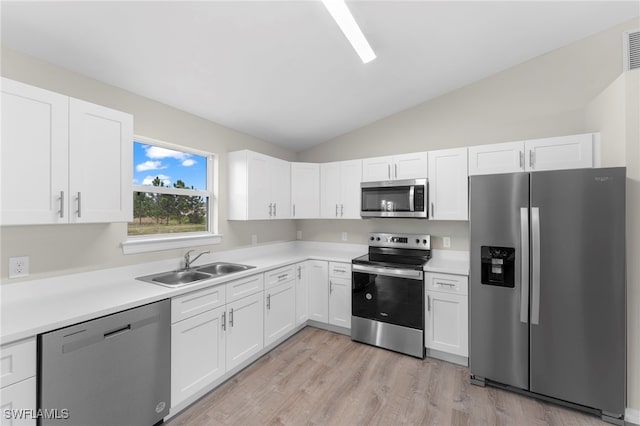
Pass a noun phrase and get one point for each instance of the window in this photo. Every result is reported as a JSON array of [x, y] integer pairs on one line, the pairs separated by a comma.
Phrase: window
[[173, 197]]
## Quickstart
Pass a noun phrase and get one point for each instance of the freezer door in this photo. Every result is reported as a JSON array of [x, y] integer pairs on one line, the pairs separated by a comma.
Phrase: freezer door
[[498, 308], [578, 298]]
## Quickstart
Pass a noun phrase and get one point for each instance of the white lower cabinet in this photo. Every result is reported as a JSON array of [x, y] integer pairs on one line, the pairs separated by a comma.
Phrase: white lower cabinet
[[18, 393], [244, 329], [340, 294], [318, 277], [279, 311], [197, 353], [447, 314], [14, 400], [302, 292], [340, 302]]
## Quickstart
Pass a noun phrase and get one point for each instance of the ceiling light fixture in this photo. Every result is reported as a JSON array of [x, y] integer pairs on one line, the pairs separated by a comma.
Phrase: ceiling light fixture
[[343, 17]]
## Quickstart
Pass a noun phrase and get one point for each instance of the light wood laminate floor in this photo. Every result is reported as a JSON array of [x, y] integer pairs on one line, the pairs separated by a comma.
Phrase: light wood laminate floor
[[322, 378]]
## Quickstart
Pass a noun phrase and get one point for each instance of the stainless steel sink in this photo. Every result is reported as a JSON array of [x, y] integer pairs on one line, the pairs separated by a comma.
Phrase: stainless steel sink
[[191, 276], [221, 268]]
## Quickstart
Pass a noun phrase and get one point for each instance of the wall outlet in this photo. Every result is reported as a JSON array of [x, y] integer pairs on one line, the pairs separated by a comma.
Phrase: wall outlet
[[18, 266], [298, 235], [446, 242], [345, 236], [254, 239]]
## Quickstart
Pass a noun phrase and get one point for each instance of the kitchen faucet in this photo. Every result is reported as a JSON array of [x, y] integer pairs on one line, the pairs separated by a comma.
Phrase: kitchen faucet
[[188, 261]]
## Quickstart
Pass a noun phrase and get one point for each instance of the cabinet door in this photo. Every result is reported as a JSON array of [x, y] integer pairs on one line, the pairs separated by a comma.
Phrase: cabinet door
[[496, 158], [565, 152], [302, 292], [197, 353], [19, 396], [244, 329], [330, 190], [411, 166], [377, 168], [279, 311], [280, 188], [448, 184], [259, 204], [318, 291], [34, 155], [350, 178], [305, 190], [100, 163], [447, 323], [340, 302]]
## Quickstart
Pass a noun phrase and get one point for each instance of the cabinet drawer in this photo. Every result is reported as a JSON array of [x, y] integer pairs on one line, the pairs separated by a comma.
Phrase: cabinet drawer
[[244, 287], [17, 361], [19, 396], [279, 276], [195, 303], [447, 283], [340, 270]]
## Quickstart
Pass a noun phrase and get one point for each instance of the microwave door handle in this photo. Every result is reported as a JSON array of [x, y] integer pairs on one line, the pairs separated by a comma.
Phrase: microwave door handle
[[411, 198]]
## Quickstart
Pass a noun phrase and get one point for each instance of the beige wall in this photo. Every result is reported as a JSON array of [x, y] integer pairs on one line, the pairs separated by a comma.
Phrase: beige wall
[[56, 249]]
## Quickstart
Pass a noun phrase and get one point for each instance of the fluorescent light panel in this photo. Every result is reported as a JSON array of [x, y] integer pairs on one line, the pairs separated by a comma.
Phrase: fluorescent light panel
[[343, 17]]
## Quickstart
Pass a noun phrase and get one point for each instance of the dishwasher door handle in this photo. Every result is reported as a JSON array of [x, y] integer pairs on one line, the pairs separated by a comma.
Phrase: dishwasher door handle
[[117, 331]]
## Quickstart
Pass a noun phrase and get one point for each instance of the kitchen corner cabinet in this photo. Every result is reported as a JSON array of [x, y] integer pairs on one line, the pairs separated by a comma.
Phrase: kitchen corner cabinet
[[305, 190], [259, 186], [340, 189], [405, 166], [18, 371], [448, 184], [318, 285], [81, 155], [564, 152], [302, 292], [447, 313]]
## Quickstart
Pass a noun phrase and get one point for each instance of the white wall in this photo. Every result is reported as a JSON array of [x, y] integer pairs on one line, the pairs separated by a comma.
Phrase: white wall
[[57, 249]]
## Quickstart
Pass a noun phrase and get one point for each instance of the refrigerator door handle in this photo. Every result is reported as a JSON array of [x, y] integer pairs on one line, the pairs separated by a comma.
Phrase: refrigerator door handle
[[524, 275], [535, 265]]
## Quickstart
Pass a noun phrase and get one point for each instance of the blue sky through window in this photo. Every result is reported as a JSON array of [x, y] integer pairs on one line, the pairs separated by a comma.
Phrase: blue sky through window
[[150, 161]]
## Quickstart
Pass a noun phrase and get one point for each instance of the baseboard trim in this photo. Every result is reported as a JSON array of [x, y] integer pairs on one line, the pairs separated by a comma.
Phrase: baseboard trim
[[444, 356], [632, 417]]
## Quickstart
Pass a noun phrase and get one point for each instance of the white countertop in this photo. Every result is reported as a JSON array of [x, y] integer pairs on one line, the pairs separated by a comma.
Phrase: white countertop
[[32, 307]]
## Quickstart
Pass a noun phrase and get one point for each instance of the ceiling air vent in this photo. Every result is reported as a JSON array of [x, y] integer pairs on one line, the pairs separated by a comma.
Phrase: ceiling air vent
[[631, 50]]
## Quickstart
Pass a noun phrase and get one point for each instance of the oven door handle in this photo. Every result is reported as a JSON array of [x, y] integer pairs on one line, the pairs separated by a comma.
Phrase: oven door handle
[[389, 272]]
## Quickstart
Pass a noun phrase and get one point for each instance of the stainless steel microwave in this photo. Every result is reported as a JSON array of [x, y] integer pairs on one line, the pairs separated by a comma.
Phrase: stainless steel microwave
[[395, 198]]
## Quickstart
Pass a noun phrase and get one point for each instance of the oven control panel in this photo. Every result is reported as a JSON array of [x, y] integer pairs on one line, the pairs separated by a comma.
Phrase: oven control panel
[[409, 241]]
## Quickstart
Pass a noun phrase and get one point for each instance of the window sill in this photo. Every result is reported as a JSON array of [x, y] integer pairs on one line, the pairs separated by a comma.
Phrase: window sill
[[147, 244]]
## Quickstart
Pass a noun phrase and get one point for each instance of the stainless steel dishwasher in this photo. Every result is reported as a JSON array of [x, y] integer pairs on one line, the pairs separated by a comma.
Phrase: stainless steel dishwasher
[[113, 370]]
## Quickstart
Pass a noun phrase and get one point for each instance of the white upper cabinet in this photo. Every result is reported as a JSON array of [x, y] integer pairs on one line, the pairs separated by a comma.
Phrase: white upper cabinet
[[259, 186], [496, 158], [448, 186], [100, 159], [564, 152], [305, 190], [340, 189], [405, 166], [80, 156]]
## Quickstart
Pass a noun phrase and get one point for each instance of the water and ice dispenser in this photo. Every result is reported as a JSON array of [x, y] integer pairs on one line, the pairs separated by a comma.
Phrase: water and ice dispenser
[[498, 266]]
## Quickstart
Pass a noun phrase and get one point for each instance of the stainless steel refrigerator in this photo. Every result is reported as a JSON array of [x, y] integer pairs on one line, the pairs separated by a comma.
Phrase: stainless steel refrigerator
[[547, 285]]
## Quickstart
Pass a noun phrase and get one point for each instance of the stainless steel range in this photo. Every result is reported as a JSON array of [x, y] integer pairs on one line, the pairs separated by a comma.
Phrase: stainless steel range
[[387, 304]]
